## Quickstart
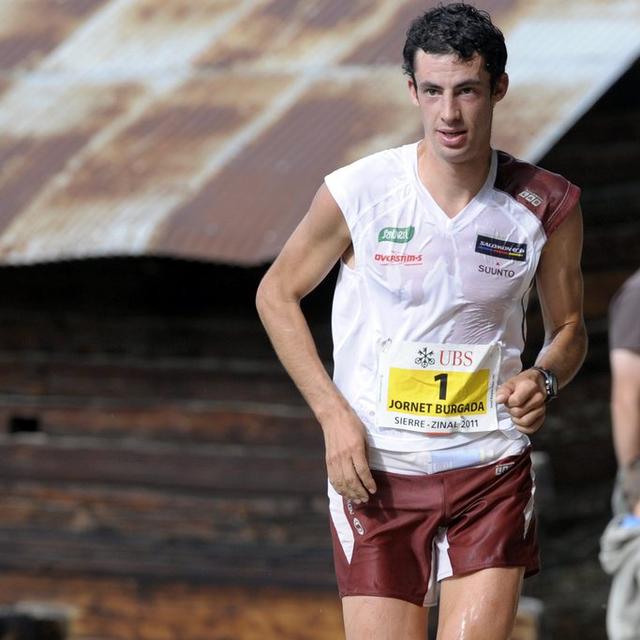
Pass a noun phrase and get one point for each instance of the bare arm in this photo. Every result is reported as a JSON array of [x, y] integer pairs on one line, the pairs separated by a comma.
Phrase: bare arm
[[625, 414], [307, 257], [560, 289], [625, 404]]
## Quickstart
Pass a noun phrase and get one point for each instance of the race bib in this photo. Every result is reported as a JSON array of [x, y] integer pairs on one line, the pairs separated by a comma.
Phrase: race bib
[[438, 388]]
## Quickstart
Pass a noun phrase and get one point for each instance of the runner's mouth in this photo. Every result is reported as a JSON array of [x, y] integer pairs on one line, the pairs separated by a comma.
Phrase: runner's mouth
[[452, 137]]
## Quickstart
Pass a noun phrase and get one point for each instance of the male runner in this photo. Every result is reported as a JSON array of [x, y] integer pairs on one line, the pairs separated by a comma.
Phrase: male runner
[[426, 420]]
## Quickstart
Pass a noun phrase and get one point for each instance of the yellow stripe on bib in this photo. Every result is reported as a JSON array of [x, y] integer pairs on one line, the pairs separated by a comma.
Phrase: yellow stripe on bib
[[437, 393]]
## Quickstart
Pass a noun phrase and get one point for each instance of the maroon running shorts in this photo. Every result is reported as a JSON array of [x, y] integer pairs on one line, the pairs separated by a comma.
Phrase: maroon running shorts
[[416, 530]]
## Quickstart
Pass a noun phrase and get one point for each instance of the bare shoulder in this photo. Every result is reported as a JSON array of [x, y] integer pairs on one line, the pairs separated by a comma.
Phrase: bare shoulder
[[626, 362], [325, 208], [316, 244], [323, 222], [565, 244]]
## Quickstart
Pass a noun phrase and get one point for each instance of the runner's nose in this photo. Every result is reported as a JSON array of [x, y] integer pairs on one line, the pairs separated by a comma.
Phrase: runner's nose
[[450, 112]]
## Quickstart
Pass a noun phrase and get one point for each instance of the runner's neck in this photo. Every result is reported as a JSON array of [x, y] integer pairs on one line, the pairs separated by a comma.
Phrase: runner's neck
[[451, 185]]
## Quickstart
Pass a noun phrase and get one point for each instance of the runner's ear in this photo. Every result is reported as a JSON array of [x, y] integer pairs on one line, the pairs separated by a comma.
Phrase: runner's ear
[[413, 91], [500, 89]]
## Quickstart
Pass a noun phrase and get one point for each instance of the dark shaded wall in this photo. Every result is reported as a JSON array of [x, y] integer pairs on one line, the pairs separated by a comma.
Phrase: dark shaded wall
[[146, 429]]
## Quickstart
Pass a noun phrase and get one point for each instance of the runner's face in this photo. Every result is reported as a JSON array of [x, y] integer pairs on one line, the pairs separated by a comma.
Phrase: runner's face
[[456, 104]]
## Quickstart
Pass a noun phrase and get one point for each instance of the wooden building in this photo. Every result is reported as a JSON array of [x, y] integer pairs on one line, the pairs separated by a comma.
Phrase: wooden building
[[161, 476]]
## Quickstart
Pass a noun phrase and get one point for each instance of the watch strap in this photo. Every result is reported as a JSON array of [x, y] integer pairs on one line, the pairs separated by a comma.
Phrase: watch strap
[[550, 383]]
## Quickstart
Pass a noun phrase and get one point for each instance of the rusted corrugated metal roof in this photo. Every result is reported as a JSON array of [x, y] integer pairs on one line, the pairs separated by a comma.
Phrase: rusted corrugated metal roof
[[201, 128]]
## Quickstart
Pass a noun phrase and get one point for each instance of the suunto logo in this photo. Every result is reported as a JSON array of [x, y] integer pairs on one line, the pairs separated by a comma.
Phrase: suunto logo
[[494, 271]]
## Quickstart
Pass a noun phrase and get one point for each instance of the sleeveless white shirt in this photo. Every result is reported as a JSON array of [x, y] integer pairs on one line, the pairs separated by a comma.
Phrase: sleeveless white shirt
[[420, 276]]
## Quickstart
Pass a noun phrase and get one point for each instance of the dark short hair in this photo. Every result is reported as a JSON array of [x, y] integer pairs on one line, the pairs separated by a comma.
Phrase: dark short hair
[[456, 28]]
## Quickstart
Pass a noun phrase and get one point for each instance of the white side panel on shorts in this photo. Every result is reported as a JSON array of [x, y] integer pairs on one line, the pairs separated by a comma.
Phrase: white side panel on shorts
[[528, 510], [340, 522], [445, 570], [440, 567]]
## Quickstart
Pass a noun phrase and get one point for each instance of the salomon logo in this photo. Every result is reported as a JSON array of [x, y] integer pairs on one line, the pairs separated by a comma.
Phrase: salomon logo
[[498, 248]]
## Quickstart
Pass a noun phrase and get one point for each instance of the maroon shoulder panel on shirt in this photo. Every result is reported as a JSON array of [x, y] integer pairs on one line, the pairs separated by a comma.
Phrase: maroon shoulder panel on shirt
[[549, 196]]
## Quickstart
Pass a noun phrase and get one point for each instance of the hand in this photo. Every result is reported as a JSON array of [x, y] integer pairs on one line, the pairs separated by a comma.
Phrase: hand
[[524, 397], [346, 457]]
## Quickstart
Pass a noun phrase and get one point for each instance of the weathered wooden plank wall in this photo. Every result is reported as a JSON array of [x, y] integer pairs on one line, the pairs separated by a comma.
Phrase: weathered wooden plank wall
[[122, 609]]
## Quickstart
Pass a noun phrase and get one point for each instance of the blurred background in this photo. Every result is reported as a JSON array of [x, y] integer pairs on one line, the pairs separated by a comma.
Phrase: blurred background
[[161, 478]]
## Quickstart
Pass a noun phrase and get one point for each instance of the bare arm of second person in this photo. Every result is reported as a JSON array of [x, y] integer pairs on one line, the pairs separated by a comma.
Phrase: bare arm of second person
[[625, 413], [318, 242], [625, 404]]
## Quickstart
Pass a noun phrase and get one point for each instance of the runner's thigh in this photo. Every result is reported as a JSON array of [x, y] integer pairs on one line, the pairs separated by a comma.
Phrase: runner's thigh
[[483, 604], [376, 618]]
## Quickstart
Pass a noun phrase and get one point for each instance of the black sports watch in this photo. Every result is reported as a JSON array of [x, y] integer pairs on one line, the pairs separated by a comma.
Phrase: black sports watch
[[550, 383]]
